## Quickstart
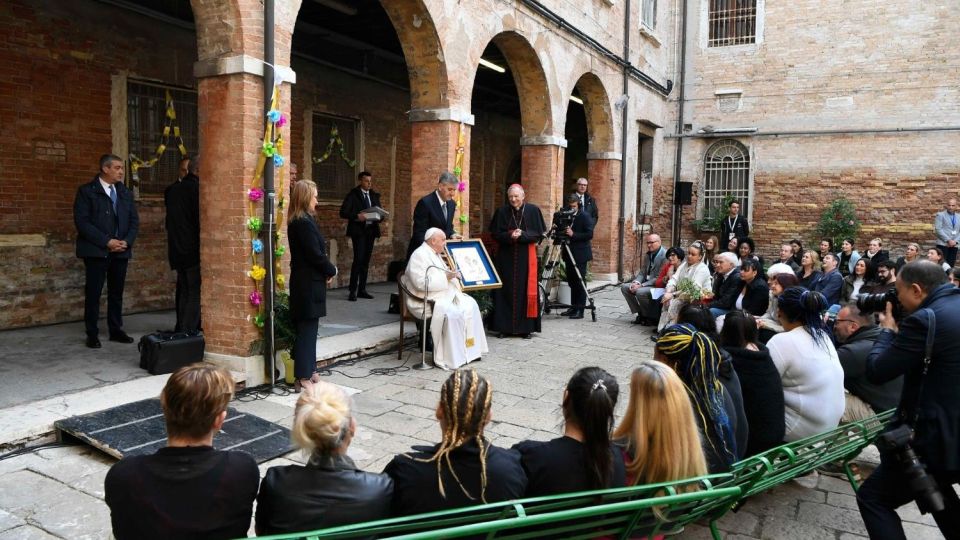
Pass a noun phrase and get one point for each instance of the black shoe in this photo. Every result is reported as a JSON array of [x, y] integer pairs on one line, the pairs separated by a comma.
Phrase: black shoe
[[654, 338], [578, 314], [352, 297], [364, 294], [527, 336], [121, 337], [568, 312], [639, 320], [93, 342]]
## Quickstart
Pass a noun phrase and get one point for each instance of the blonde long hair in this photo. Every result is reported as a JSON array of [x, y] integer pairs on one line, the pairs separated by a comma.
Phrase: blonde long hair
[[300, 195], [659, 427]]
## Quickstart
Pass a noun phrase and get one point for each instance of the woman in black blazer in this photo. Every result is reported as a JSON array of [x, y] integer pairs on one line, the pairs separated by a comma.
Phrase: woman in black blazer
[[754, 295], [310, 272]]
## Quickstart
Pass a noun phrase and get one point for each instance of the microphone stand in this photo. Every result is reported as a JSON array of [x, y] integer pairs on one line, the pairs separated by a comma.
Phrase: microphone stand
[[423, 319]]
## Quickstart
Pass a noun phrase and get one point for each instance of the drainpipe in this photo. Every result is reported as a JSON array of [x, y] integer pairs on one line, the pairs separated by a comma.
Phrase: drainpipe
[[270, 225], [623, 139], [678, 208]]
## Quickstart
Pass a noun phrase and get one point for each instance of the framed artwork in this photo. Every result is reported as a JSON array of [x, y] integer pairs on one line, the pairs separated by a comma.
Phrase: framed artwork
[[471, 259]]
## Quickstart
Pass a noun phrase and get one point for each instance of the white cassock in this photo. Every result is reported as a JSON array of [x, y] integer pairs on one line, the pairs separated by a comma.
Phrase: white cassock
[[457, 326]]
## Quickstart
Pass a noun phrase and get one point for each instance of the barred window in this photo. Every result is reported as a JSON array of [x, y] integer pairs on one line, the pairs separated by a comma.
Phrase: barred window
[[334, 176], [146, 118], [726, 172], [732, 22], [648, 14]]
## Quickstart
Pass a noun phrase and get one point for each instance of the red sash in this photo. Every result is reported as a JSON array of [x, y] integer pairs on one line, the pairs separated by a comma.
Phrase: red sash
[[532, 308]]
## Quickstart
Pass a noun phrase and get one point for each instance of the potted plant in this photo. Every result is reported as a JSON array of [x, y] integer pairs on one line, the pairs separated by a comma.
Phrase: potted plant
[[284, 332], [712, 219], [838, 221]]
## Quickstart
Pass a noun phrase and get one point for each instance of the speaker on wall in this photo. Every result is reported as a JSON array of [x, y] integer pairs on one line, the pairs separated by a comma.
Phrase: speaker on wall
[[683, 193]]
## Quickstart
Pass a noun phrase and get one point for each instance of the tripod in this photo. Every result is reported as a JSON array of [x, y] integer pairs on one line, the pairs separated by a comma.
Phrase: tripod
[[554, 254]]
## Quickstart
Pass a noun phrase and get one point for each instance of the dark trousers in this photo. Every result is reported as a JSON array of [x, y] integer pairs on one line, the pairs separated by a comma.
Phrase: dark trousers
[[305, 348], [949, 255], [362, 251], [188, 300], [887, 489], [112, 271], [578, 295]]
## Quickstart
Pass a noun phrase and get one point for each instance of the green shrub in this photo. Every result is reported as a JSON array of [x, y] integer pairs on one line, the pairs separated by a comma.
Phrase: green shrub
[[838, 221]]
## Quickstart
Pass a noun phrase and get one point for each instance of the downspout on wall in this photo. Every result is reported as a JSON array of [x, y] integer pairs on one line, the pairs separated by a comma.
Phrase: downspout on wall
[[677, 208], [625, 100]]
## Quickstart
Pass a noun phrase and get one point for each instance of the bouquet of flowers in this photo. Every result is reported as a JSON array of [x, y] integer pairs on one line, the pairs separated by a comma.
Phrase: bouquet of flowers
[[688, 291]]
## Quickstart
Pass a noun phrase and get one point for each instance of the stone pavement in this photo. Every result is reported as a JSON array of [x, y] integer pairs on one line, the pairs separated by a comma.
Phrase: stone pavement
[[58, 492]]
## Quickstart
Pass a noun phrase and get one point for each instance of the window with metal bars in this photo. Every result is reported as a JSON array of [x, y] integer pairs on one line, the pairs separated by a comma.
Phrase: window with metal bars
[[146, 117], [334, 176], [726, 172], [732, 22]]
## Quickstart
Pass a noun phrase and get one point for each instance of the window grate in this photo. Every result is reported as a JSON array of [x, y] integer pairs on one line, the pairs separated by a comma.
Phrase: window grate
[[146, 116], [732, 22], [726, 172], [334, 176]]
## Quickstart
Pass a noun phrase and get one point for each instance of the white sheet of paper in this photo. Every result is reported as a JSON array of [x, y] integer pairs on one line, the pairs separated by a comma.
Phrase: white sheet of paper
[[657, 294], [470, 265]]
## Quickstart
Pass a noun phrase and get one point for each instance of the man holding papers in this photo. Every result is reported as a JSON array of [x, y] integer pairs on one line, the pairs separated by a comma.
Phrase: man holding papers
[[361, 209]]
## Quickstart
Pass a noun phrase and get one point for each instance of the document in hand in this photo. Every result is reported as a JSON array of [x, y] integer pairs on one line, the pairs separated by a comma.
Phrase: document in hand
[[375, 213]]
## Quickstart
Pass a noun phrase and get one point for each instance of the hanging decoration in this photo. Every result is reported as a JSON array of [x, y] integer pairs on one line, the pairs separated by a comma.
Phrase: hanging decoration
[[271, 152], [335, 140], [462, 186], [169, 124]]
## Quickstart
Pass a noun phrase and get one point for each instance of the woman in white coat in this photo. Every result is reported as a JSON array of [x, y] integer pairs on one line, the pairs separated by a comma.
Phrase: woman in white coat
[[693, 268]]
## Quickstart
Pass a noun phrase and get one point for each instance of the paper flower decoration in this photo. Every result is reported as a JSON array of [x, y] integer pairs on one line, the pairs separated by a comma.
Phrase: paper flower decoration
[[255, 194], [281, 281], [274, 116], [269, 149], [278, 160], [256, 298], [257, 245], [279, 251], [463, 219], [457, 170], [258, 320], [462, 186], [282, 121], [254, 224], [257, 272]]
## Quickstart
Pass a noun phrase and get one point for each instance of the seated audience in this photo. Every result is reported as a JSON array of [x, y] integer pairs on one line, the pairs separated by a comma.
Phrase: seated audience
[[726, 284], [759, 380], [464, 468], [954, 277], [754, 294], [935, 255], [874, 253], [886, 278], [787, 257], [712, 247], [780, 279], [696, 359], [856, 334], [848, 257], [658, 431], [912, 253], [456, 324], [809, 269], [862, 277], [585, 457], [732, 245], [329, 490], [797, 246], [748, 250], [830, 282], [187, 489], [826, 246], [695, 270], [809, 369], [638, 291]]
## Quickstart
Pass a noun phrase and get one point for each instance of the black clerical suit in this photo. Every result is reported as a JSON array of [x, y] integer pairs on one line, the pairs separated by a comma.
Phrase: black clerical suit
[[579, 243], [362, 235], [182, 201], [428, 213], [98, 222]]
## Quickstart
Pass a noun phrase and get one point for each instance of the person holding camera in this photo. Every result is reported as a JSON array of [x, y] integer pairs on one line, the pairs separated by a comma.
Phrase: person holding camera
[[576, 226], [923, 347]]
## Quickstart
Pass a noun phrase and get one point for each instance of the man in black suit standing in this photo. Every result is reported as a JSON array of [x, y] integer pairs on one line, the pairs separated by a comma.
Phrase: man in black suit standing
[[579, 234], [435, 210], [585, 201], [363, 234], [182, 202], [107, 223]]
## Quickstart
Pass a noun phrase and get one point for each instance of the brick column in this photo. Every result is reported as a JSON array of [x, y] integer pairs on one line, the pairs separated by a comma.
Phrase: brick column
[[434, 142], [541, 172], [603, 172]]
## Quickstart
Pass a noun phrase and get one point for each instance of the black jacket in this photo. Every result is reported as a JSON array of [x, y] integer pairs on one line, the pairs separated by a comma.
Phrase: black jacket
[[580, 241], [730, 379], [741, 230], [97, 223], [937, 438], [762, 398], [725, 290], [589, 205], [427, 214], [182, 201], [853, 357], [309, 270], [327, 492], [352, 205], [879, 257], [756, 299]]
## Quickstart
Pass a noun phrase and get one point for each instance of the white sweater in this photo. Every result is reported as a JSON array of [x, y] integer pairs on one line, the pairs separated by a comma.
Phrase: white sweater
[[812, 380]]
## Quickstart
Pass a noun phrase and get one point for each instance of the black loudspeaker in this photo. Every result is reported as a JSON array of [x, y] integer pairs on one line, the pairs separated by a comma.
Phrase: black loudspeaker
[[683, 193]]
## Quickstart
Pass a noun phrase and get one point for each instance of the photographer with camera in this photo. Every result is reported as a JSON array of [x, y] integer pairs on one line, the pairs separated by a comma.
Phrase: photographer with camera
[[924, 347], [574, 227]]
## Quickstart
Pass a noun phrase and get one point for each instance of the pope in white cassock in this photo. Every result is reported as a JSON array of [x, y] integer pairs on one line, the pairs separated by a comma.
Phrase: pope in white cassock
[[457, 327]]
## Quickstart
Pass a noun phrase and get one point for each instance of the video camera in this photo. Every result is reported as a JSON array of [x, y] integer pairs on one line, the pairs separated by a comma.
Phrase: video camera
[[562, 220]]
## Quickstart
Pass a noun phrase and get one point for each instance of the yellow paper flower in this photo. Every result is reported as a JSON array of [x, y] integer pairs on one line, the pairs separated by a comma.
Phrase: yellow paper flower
[[257, 272], [281, 281]]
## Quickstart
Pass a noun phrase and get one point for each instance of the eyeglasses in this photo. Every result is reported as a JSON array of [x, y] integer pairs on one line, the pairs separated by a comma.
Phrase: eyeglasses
[[581, 184], [651, 242], [846, 320]]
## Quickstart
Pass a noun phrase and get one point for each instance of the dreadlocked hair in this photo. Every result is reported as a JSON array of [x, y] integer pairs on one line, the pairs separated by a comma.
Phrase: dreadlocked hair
[[589, 404], [465, 399], [800, 305], [696, 359]]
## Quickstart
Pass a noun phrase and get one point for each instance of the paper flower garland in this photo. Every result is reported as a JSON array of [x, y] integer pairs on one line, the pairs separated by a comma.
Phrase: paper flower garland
[[257, 245], [257, 272], [255, 298], [254, 224], [255, 194]]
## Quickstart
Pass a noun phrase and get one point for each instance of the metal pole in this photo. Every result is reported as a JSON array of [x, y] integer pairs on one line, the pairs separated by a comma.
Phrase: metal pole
[[623, 142], [677, 207], [270, 226]]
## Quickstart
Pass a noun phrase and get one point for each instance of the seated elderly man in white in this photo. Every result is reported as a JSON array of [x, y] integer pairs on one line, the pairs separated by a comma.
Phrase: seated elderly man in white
[[457, 327]]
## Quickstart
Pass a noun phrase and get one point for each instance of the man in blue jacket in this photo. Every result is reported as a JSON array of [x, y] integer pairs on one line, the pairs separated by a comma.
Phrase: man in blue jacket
[[107, 223], [830, 282]]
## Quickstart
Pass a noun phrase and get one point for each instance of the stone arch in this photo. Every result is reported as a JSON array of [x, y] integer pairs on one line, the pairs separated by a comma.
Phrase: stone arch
[[220, 28], [596, 106], [422, 51]]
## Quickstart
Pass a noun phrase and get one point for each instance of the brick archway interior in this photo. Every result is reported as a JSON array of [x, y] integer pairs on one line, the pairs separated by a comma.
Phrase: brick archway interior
[[421, 51], [596, 106]]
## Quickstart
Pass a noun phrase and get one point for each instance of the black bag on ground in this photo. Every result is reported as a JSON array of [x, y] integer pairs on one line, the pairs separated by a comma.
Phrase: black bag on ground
[[166, 352]]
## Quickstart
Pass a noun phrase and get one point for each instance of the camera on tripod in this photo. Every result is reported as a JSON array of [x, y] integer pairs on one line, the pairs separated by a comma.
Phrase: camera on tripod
[[877, 303], [562, 220], [923, 488]]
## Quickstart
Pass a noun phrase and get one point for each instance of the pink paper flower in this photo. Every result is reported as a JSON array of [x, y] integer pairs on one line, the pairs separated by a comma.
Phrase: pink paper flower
[[255, 298], [462, 186], [255, 194], [282, 121]]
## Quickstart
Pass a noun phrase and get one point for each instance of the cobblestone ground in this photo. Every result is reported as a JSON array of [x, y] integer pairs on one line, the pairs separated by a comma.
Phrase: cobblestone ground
[[58, 492]]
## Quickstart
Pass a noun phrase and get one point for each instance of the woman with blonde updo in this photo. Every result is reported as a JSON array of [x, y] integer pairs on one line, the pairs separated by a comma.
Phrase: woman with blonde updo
[[329, 490]]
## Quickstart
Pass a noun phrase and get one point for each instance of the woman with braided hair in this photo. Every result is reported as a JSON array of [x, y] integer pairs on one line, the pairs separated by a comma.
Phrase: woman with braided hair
[[696, 359], [464, 468], [585, 458], [809, 368]]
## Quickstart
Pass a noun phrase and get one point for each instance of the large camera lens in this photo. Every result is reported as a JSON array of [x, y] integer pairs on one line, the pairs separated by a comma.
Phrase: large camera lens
[[877, 302]]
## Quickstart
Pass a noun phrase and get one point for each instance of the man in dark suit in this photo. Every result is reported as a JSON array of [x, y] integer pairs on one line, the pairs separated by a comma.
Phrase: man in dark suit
[[182, 201], [579, 234], [435, 210], [586, 202], [107, 223], [733, 226], [363, 233], [726, 284]]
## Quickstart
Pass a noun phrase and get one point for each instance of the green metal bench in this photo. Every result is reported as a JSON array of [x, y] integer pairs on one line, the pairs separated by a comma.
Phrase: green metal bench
[[649, 510]]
